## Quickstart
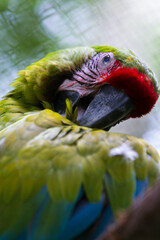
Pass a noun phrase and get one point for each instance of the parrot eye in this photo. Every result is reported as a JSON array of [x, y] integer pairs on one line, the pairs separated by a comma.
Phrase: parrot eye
[[106, 59]]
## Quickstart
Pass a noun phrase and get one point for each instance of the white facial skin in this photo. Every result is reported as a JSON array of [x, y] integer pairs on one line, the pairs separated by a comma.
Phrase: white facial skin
[[86, 79], [105, 62]]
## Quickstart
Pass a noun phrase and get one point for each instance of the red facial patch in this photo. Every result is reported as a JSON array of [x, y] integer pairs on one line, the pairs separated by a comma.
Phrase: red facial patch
[[138, 86]]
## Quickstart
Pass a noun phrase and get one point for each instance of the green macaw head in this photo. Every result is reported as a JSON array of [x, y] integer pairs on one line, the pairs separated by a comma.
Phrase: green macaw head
[[106, 84], [111, 85]]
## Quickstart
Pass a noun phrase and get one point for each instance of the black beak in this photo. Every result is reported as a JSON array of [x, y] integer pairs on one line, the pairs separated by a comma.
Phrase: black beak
[[60, 101], [108, 107]]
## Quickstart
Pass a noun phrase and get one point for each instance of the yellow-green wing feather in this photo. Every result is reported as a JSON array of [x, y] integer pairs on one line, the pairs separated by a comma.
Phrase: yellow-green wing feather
[[45, 149]]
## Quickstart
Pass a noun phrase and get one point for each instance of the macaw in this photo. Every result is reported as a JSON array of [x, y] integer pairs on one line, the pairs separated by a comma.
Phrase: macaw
[[62, 174]]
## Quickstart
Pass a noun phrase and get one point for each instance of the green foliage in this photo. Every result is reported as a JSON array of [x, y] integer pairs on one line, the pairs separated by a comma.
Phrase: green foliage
[[23, 36]]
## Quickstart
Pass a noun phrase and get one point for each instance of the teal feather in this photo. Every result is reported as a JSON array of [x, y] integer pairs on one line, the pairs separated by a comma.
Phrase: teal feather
[[79, 220]]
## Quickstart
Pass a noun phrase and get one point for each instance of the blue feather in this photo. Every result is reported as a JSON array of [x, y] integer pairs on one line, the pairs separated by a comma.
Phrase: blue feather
[[51, 220], [61, 220], [106, 219], [141, 186], [81, 220]]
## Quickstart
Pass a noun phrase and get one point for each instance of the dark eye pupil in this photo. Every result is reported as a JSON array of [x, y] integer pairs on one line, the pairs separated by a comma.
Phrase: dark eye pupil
[[106, 59]]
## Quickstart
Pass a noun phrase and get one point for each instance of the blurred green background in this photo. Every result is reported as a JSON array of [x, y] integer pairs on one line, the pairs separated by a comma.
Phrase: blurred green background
[[31, 28]]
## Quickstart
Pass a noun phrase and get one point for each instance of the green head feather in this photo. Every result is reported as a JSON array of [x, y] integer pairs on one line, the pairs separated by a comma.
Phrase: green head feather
[[130, 60], [36, 85], [39, 81]]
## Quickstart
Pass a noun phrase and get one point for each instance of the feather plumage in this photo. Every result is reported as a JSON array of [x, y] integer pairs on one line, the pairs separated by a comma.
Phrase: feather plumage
[[60, 180]]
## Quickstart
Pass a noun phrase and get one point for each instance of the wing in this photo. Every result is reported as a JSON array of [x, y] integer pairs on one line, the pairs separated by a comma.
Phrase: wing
[[62, 181]]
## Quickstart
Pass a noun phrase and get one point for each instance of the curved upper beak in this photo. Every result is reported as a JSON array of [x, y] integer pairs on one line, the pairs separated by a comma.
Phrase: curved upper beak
[[107, 108]]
